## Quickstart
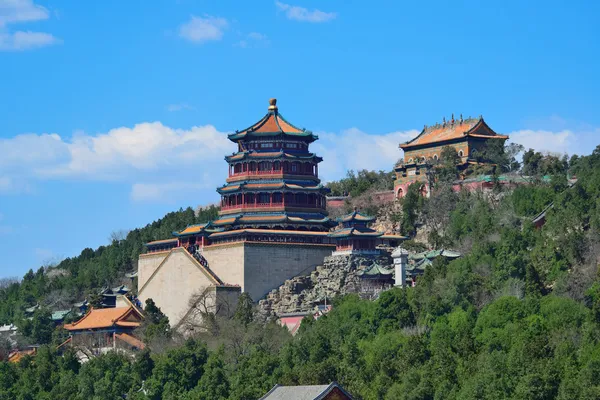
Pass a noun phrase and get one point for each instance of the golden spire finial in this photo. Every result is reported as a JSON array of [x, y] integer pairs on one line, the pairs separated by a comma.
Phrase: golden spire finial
[[272, 104]]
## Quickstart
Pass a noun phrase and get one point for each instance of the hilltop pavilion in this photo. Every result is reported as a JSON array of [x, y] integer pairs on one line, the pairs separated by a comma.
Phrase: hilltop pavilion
[[468, 137]]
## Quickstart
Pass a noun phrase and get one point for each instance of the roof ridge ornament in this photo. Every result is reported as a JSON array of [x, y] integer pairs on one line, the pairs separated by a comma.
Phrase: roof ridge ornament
[[273, 104]]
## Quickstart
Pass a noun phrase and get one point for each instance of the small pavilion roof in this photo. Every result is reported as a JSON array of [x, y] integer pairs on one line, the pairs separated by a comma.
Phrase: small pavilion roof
[[356, 217], [454, 129], [355, 232], [159, 242], [431, 254], [312, 392], [107, 318], [130, 340], [376, 271], [59, 315], [272, 124], [394, 237], [196, 229]]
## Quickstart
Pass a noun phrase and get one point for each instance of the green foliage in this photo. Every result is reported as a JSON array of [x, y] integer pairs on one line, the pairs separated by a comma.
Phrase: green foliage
[[155, 324], [538, 164], [355, 184], [412, 203], [496, 323], [244, 311]]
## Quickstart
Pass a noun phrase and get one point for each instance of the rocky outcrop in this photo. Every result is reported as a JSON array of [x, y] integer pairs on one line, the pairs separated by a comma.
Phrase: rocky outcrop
[[337, 276]]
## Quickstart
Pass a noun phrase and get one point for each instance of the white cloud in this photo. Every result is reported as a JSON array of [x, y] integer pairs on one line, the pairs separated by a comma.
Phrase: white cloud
[[203, 29], [355, 149], [23, 11], [14, 11], [545, 141], [145, 152], [179, 107], [254, 39], [302, 14], [145, 147], [26, 40], [164, 164]]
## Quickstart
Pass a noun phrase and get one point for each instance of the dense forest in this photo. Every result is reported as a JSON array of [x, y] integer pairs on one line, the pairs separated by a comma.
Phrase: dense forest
[[516, 317]]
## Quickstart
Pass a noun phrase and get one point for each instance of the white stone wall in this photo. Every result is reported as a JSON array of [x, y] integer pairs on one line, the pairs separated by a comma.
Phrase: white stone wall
[[267, 265], [257, 268], [147, 264], [173, 285], [227, 262]]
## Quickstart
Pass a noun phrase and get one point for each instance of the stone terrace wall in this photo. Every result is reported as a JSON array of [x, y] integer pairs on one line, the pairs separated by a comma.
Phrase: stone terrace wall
[[337, 276]]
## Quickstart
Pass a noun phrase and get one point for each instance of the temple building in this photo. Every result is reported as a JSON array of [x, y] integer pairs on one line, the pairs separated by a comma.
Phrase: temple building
[[354, 236], [333, 391], [273, 224], [467, 136], [101, 330], [374, 280]]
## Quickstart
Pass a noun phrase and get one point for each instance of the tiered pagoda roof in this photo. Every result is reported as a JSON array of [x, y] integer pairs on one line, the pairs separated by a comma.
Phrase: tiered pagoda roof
[[252, 185], [452, 130], [272, 218], [355, 225], [255, 155], [271, 125]]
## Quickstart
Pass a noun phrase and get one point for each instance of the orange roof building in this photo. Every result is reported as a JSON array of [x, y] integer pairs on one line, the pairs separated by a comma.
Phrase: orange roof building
[[107, 318], [468, 137], [107, 328]]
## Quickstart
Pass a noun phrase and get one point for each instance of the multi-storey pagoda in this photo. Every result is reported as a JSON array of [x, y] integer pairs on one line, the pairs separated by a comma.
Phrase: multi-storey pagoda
[[273, 181], [466, 136], [272, 226]]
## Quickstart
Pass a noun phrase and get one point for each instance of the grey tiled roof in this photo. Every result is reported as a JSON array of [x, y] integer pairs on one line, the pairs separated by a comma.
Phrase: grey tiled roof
[[315, 392]]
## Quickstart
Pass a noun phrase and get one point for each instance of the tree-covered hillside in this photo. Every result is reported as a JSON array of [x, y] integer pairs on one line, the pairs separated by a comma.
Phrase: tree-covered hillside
[[74, 278], [517, 317]]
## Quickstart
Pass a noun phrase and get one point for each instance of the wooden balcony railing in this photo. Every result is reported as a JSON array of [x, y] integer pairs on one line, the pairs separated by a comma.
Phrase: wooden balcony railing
[[268, 205]]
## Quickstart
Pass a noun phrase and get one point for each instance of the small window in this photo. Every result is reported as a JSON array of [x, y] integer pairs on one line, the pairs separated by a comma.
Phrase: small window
[[291, 145], [435, 157], [460, 153], [266, 145]]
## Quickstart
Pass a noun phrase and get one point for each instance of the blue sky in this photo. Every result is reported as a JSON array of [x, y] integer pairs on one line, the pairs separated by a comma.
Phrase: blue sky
[[116, 112]]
